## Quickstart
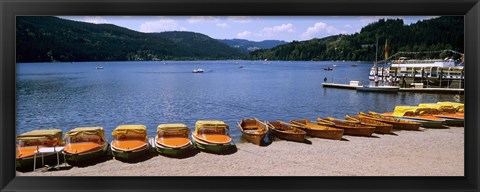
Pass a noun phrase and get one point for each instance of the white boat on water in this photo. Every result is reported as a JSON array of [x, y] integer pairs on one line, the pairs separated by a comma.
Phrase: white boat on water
[[98, 67], [381, 88], [199, 70]]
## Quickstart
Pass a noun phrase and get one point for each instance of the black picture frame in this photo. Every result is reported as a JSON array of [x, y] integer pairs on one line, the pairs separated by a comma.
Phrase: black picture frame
[[11, 8]]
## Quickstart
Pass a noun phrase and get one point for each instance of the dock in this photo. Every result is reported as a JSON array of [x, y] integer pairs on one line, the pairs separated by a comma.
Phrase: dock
[[412, 89]]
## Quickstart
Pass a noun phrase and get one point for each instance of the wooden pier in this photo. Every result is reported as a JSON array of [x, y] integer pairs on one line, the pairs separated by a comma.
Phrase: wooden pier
[[416, 90]]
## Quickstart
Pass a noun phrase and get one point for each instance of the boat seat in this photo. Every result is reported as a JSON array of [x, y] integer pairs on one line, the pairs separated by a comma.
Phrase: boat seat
[[81, 147], [251, 127], [173, 141], [128, 144], [216, 138]]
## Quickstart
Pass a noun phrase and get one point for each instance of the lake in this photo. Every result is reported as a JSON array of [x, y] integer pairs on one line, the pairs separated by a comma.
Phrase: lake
[[68, 95]]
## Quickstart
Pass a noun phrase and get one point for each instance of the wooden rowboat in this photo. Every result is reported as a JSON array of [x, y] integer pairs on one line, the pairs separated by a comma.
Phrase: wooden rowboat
[[172, 139], [130, 142], [85, 143], [350, 128], [315, 130], [397, 123], [286, 131], [253, 130], [380, 127], [211, 136]]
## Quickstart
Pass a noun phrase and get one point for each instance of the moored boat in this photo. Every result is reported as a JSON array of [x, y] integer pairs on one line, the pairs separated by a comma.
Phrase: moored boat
[[420, 114], [211, 136], [448, 113], [129, 142], [397, 123], [29, 143], [286, 131], [85, 143], [253, 130], [383, 88], [353, 129], [380, 127], [315, 130], [173, 139]]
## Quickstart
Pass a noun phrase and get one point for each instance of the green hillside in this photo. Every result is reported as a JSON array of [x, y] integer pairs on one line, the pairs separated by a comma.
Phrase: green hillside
[[44, 39], [429, 35]]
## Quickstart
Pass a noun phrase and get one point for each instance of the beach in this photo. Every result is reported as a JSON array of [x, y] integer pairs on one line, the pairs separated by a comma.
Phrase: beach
[[429, 152]]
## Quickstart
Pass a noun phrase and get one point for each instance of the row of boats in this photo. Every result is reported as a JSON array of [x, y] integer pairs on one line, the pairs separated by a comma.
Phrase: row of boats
[[131, 141]]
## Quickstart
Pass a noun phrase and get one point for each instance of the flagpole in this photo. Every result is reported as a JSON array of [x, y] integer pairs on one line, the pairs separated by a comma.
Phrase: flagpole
[[375, 64], [385, 62]]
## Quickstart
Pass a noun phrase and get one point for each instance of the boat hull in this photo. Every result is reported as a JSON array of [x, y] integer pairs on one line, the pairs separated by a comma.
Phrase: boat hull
[[289, 137], [386, 89], [413, 126], [48, 159], [454, 122], [131, 154], [210, 147], [254, 138], [425, 123], [82, 157], [169, 151], [380, 127], [335, 134]]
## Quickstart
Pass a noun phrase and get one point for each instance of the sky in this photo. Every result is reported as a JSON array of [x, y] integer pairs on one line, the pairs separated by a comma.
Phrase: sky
[[254, 28]]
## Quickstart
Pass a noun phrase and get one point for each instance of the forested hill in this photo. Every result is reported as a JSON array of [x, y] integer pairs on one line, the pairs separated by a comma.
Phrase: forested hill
[[45, 39], [247, 46], [429, 35]]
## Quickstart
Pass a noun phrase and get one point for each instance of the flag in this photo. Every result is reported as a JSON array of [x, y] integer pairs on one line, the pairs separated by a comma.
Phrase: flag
[[386, 50]]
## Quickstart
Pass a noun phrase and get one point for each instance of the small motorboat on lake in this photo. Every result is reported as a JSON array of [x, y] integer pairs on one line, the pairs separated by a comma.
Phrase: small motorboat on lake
[[327, 68], [30, 143], [85, 143], [286, 131], [211, 136], [99, 67], [173, 139], [253, 130], [129, 142], [198, 70]]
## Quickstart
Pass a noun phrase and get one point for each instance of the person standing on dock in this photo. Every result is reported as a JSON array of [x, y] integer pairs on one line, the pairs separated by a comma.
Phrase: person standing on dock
[[404, 83], [325, 79]]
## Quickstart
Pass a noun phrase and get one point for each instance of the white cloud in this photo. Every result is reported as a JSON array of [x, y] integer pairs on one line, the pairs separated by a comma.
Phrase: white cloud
[[95, 19], [161, 25], [267, 32], [222, 25], [240, 19], [245, 34], [201, 19], [311, 31], [280, 28], [321, 27]]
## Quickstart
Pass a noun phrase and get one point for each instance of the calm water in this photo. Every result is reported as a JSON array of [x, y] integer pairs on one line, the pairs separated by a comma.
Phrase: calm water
[[69, 95]]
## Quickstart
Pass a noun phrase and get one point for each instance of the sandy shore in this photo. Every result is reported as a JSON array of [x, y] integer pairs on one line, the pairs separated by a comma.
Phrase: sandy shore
[[431, 152]]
